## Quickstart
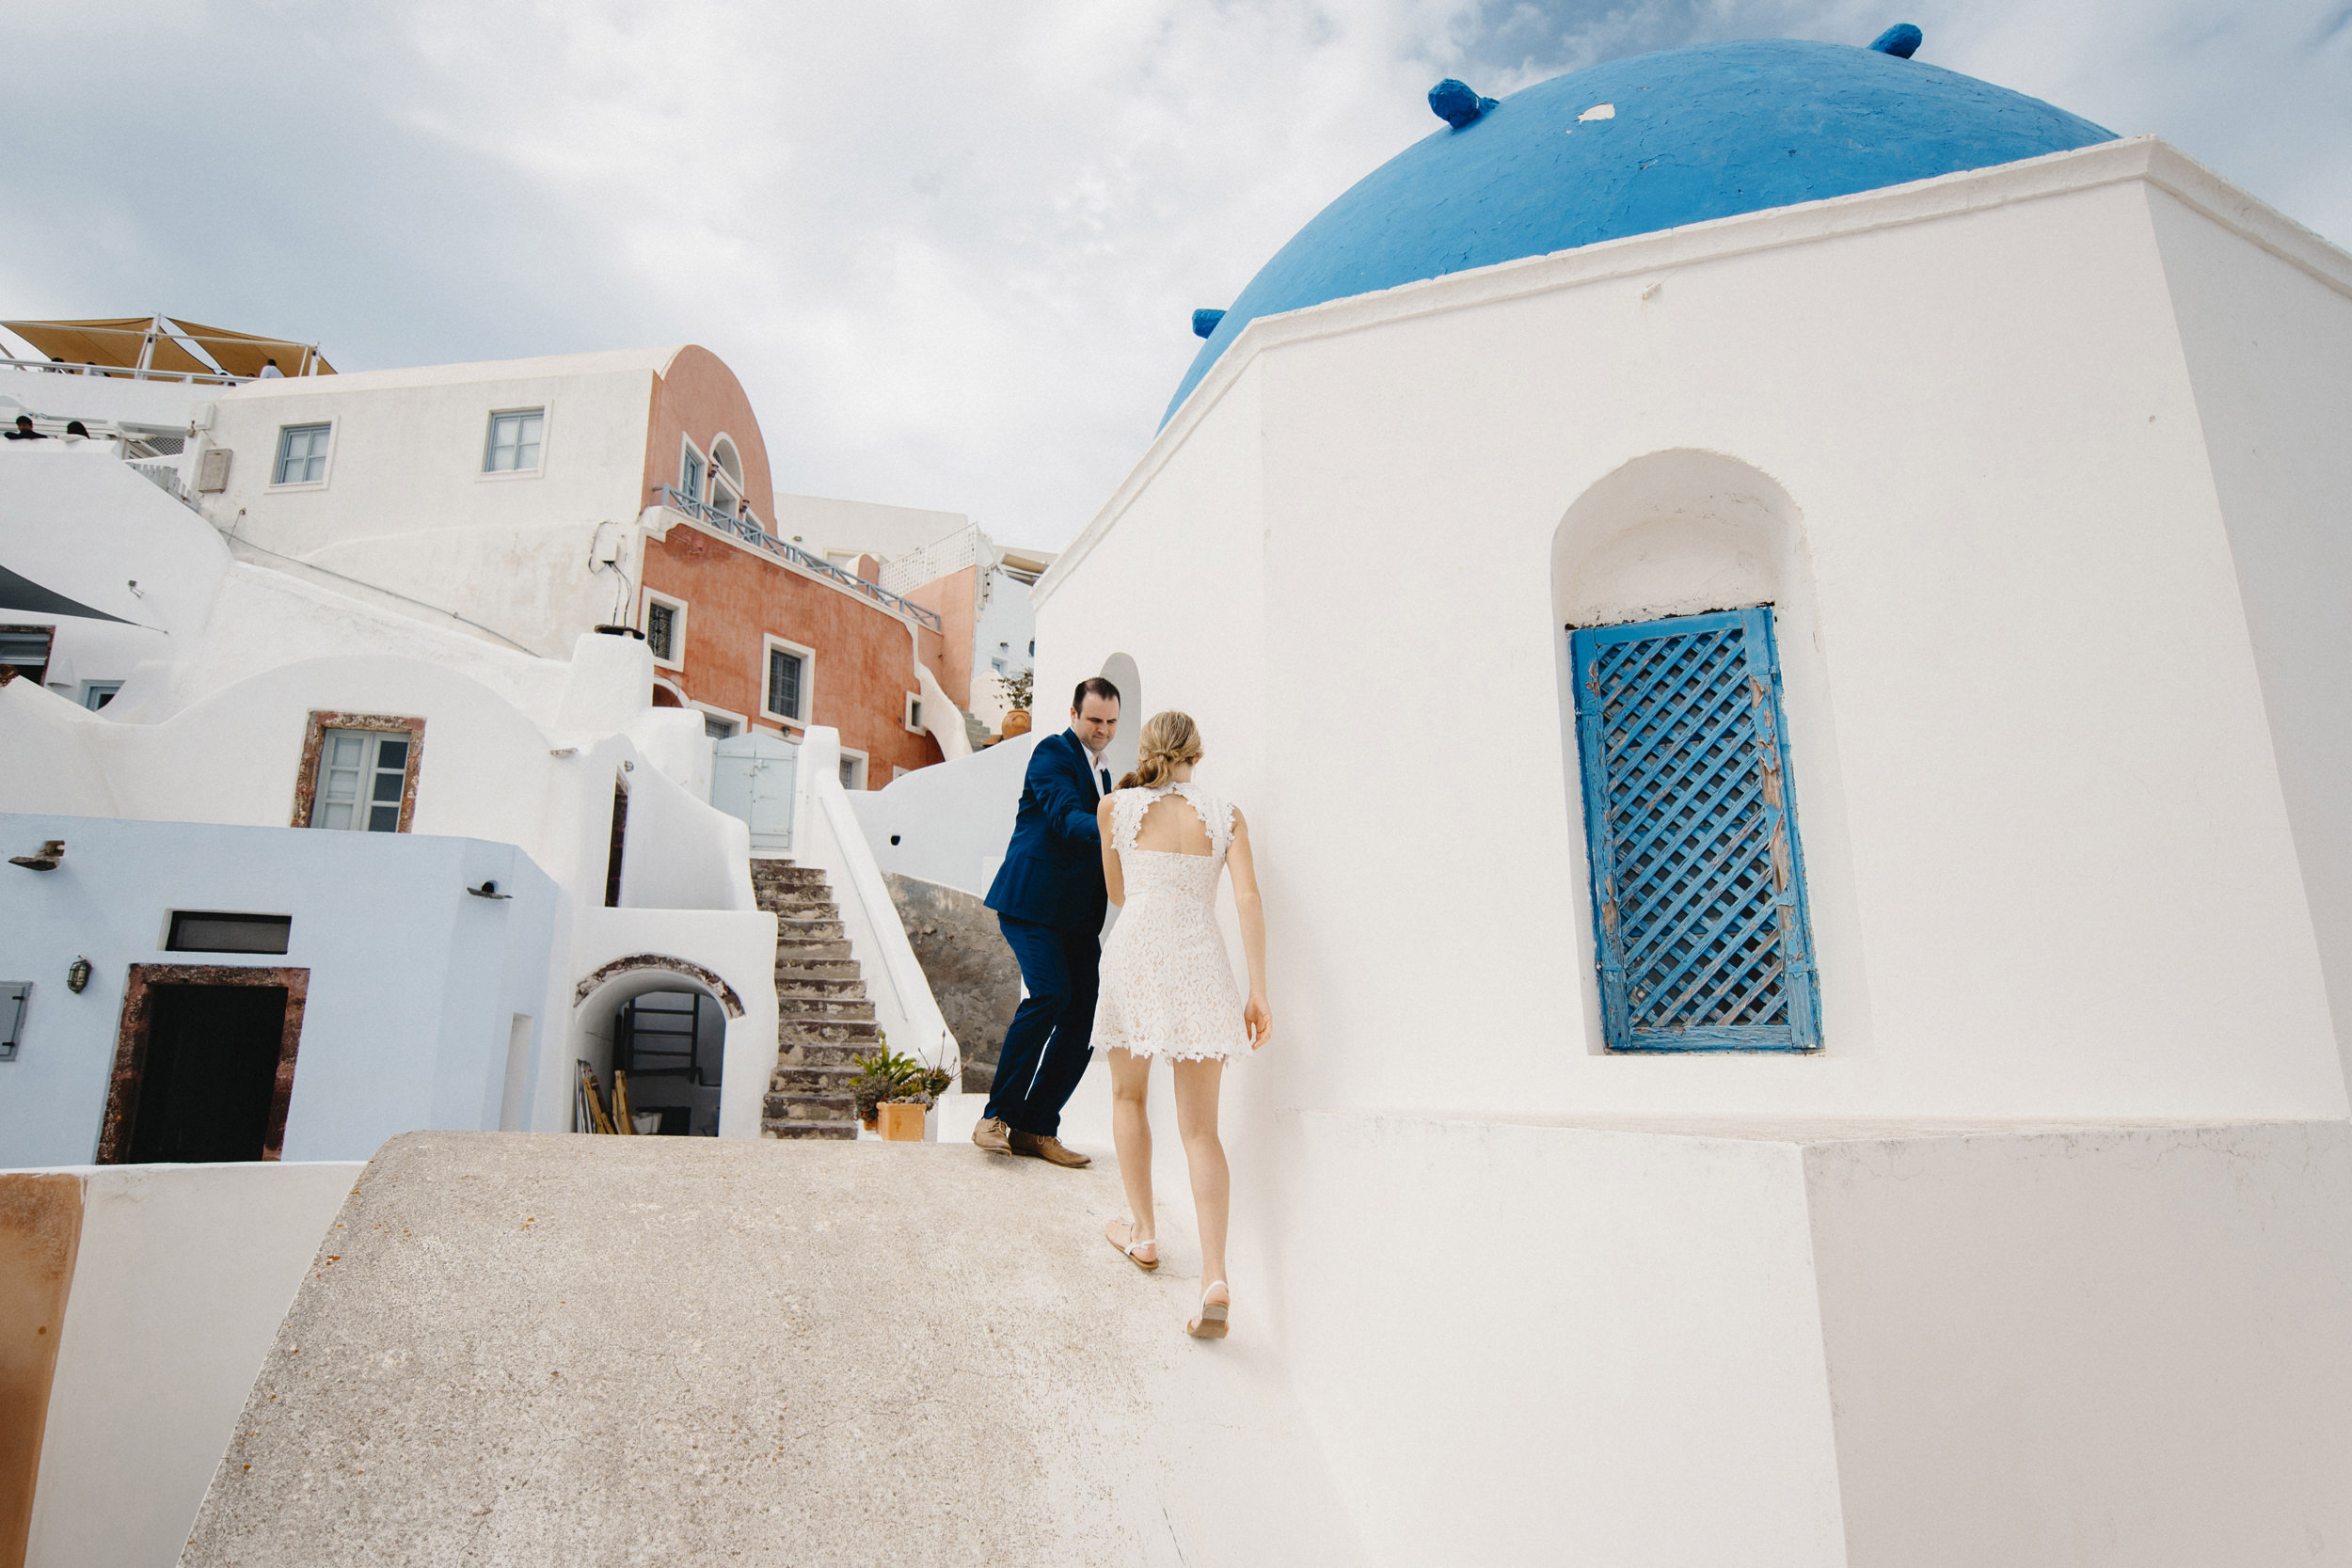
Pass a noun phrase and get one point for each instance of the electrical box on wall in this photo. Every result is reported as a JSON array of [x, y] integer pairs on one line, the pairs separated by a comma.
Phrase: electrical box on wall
[[211, 470]]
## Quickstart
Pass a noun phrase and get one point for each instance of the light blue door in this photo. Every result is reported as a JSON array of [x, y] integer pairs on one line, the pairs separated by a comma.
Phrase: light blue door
[[1698, 879], [753, 776]]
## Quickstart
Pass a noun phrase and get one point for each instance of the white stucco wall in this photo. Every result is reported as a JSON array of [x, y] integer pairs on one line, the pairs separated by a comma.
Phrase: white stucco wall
[[181, 1279], [2266, 337], [413, 984], [406, 508], [948, 823], [2050, 862], [95, 398]]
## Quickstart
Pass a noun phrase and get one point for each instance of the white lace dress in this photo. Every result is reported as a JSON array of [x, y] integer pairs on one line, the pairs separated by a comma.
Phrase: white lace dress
[[1167, 988]]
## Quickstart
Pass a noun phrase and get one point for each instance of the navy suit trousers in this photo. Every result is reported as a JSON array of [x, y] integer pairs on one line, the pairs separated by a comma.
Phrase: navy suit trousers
[[1051, 1039]]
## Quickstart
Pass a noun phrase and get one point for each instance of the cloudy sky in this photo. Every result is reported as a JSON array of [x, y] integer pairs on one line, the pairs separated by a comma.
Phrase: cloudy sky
[[951, 250]]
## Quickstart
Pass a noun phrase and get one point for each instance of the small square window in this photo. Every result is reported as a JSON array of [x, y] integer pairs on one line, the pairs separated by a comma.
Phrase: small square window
[[302, 454], [717, 728], [665, 631], [514, 446], [914, 720], [97, 694], [853, 771]]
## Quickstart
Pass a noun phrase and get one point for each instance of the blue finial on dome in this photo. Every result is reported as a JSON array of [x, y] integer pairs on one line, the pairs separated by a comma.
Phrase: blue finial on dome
[[1205, 322], [1901, 41], [1458, 102]]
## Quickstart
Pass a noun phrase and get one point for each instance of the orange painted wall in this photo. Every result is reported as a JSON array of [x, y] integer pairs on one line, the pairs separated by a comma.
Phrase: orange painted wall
[[865, 661], [698, 397], [955, 598]]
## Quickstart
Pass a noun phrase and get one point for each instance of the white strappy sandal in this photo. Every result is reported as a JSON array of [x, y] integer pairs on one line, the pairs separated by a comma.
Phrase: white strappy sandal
[[1131, 1247], [1210, 1324]]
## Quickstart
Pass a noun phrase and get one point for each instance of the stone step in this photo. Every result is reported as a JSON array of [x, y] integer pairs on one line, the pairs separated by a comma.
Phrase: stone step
[[856, 1034], [820, 1058], [819, 969], [851, 986], [812, 1079], [801, 1009], [776, 874], [810, 1107], [796, 930], [845, 1130], [789, 952], [801, 908]]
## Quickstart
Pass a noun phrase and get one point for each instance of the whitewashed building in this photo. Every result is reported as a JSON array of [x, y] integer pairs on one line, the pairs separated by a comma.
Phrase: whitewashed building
[[1777, 614]]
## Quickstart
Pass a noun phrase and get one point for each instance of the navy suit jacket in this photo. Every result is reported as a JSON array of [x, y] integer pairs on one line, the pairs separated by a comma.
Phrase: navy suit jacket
[[1053, 871]]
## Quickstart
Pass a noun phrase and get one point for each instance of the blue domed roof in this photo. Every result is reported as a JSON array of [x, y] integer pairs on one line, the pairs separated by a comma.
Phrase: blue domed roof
[[1688, 134]]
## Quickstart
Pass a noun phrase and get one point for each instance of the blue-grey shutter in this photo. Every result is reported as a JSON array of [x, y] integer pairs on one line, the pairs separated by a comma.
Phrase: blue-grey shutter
[[1698, 879]]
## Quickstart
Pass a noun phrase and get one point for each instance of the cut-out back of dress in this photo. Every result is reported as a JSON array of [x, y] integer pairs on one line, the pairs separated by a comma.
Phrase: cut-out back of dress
[[1167, 986]]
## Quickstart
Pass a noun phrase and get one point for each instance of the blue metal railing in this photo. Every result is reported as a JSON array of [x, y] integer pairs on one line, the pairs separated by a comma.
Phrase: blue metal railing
[[748, 529]]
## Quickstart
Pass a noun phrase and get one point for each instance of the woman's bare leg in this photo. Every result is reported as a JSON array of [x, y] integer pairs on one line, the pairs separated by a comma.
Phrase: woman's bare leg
[[1196, 1084], [1131, 1135]]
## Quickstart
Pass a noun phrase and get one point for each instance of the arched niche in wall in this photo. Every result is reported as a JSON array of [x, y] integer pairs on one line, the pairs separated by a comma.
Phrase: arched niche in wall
[[1119, 756], [1685, 532], [599, 997]]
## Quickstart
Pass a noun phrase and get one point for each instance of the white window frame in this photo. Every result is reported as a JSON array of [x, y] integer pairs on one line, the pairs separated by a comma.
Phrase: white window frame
[[858, 771], [768, 643], [648, 599], [490, 434], [366, 802], [702, 469], [734, 482], [98, 689], [277, 455], [911, 718]]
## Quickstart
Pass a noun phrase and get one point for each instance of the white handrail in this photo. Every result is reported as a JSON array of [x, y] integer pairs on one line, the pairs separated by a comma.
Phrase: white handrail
[[127, 373]]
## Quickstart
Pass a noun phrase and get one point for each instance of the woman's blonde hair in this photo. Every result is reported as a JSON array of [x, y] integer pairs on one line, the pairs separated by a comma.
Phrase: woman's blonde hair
[[1169, 739]]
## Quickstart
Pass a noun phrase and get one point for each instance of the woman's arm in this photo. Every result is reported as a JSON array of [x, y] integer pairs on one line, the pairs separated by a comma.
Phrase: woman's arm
[[1256, 1016], [1112, 881]]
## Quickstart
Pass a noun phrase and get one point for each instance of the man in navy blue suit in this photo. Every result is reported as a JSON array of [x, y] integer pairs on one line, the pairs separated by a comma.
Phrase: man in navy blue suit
[[1050, 901]]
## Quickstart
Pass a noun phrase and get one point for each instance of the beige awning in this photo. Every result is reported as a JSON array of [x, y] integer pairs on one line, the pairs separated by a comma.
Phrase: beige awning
[[116, 342], [241, 353]]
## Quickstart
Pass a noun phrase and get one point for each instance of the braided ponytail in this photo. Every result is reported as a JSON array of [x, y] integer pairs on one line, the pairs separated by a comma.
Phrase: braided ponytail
[[1170, 739]]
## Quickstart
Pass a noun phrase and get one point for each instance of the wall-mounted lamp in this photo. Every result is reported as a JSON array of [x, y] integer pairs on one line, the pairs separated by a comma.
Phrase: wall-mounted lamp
[[52, 851], [628, 767], [77, 975], [488, 890]]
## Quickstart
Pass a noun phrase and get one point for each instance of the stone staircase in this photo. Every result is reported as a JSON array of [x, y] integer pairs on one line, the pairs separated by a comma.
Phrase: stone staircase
[[823, 1017]]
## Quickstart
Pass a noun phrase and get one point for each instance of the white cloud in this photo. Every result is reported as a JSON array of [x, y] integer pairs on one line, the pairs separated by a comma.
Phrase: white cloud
[[951, 250]]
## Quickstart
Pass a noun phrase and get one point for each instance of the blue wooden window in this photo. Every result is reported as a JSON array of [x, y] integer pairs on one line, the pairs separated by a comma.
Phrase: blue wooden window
[[1698, 883]]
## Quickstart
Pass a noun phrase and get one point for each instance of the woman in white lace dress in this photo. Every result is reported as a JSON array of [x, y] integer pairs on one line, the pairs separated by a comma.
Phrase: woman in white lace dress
[[1168, 987]]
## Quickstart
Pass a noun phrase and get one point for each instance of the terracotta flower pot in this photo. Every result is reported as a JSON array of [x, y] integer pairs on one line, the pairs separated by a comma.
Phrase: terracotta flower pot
[[902, 1124], [1016, 722]]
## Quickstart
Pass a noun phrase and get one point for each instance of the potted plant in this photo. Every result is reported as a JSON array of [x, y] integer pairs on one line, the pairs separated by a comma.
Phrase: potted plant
[[1017, 689], [896, 1094]]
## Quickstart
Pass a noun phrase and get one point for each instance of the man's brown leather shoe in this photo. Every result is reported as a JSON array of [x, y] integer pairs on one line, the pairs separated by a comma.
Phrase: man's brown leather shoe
[[990, 1134], [1048, 1150]]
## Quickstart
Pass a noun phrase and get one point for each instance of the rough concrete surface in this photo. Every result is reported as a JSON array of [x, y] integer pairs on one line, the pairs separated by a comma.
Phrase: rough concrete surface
[[522, 1349], [973, 973]]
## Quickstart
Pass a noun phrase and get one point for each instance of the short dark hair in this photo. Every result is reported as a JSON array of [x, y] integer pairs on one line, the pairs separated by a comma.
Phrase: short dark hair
[[1093, 686]]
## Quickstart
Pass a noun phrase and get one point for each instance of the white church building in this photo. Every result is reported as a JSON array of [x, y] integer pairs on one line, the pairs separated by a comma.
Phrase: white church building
[[1778, 613]]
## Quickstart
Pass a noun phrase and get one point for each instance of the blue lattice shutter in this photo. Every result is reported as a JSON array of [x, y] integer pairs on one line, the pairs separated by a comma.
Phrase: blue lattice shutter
[[1698, 881]]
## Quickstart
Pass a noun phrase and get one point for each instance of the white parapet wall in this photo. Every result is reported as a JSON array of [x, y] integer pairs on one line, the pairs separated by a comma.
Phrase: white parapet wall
[[826, 834], [180, 1279]]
